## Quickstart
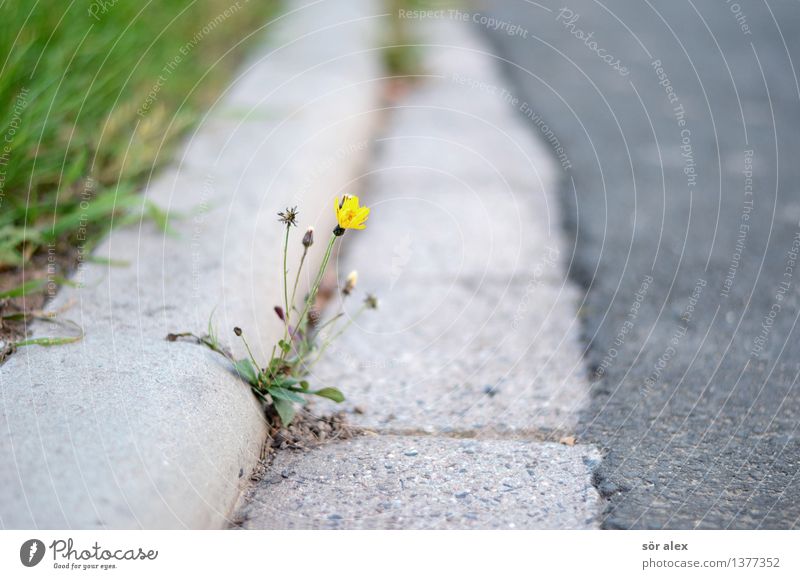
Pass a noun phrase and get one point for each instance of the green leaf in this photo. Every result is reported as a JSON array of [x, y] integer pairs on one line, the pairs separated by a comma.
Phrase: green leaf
[[330, 393], [160, 218], [247, 371], [284, 345], [28, 287], [98, 209], [284, 381], [107, 261], [76, 168], [285, 410], [48, 341], [304, 384], [286, 395]]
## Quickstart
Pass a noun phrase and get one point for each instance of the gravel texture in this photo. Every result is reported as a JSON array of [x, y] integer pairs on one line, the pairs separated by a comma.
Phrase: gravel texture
[[392, 482], [475, 343]]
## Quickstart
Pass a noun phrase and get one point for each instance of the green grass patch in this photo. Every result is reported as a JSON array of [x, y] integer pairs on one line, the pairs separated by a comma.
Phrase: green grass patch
[[93, 97]]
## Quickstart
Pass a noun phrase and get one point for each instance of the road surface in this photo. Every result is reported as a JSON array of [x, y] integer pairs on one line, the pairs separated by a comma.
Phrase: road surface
[[676, 125]]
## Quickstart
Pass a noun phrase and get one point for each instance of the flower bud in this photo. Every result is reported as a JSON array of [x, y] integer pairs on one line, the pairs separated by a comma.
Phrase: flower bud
[[279, 313], [237, 330], [371, 301], [308, 238], [350, 283]]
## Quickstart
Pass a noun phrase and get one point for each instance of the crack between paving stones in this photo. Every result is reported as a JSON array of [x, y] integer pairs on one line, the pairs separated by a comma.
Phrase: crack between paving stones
[[529, 434]]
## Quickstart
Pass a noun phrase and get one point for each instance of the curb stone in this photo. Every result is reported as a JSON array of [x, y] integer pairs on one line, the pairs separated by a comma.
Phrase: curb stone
[[398, 482], [126, 430], [476, 343]]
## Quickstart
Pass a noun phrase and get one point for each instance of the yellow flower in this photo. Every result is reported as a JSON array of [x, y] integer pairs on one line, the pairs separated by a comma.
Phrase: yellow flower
[[349, 214]]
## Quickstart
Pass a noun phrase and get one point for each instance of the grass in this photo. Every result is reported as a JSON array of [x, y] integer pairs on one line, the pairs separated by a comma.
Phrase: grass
[[93, 96]]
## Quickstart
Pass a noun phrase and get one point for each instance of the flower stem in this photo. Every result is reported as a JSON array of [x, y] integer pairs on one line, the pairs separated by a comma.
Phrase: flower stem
[[285, 282], [312, 294], [296, 280]]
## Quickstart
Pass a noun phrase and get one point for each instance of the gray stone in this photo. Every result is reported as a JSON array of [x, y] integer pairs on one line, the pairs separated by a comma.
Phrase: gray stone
[[464, 250], [126, 430], [424, 359], [476, 340]]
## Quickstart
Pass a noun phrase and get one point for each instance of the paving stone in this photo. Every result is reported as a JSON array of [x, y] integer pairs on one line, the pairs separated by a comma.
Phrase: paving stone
[[477, 327], [478, 355], [476, 342], [124, 429], [391, 482]]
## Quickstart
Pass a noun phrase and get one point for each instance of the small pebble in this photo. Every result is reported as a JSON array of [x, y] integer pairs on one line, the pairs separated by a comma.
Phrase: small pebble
[[412, 452]]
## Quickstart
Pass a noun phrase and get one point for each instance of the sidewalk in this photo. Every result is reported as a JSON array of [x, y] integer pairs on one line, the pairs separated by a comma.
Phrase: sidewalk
[[470, 373], [125, 429]]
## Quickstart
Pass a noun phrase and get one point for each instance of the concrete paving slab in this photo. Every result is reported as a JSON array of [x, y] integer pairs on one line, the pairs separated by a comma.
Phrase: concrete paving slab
[[476, 343], [478, 326], [125, 430], [391, 482], [471, 355]]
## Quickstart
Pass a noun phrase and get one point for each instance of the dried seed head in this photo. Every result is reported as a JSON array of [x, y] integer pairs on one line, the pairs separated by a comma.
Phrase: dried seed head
[[371, 301], [308, 238], [350, 283], [289, 217], [237, 330]]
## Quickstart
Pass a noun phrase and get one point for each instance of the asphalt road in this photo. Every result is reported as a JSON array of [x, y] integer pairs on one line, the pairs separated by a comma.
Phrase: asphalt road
[[680, 128]]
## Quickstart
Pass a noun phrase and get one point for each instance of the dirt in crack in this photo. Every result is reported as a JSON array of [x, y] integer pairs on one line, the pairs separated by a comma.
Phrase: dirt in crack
[[307, 431]]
